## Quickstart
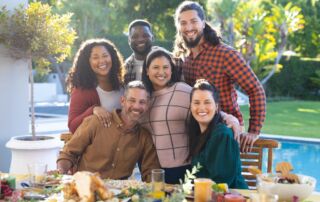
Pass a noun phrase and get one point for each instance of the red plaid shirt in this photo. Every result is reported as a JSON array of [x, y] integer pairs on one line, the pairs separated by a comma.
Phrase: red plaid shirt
[[223, 66]]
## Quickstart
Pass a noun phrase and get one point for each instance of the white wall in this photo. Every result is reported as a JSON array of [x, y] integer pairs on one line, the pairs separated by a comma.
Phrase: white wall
[[54, 78], [14, 118], [44, 92]]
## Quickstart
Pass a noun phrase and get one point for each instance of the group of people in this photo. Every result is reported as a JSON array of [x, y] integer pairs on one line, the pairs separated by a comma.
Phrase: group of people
[[145, 111]]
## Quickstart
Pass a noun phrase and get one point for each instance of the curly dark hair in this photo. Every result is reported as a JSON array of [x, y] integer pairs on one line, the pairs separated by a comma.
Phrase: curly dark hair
[[157, 52], [82, 76], [210, 35], [197, 141]]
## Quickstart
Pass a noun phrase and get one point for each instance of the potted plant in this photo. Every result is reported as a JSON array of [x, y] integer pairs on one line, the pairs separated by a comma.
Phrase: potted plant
[[36, 34]]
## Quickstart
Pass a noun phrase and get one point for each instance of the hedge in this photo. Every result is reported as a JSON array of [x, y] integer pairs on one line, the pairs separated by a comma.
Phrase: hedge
[[294, 79]]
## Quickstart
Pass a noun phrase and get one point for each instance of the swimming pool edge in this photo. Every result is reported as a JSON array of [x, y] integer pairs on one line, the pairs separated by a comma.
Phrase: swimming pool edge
[[294, 139]]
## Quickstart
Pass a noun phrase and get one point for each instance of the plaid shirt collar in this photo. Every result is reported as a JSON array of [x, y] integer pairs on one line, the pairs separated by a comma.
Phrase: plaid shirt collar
[[203, 46]]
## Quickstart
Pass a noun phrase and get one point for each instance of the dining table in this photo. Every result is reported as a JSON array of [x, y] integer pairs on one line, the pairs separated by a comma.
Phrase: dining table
[[314, 197]]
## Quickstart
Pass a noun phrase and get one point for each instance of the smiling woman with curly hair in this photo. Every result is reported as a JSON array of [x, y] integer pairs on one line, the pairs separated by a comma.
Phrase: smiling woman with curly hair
[[95, 82]]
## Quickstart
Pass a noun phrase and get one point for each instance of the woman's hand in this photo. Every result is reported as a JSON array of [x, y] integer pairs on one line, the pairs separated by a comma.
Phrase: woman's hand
[[233, 123], [103, 116], [247, 141]]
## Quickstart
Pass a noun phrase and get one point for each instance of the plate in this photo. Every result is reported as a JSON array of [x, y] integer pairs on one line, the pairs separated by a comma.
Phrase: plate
[[120, 184]]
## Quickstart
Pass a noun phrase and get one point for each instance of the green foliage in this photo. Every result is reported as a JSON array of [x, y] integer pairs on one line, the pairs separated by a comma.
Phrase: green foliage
[[159, 13], [259, 29], [316, 79], [98, 18], [35, 32], [40, 77], [307, 40], [90, 18], [188, 179], [298, 79]]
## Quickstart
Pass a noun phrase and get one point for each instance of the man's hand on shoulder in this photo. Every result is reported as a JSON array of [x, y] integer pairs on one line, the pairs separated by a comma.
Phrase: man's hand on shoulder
[[247, 140], [233, 123]]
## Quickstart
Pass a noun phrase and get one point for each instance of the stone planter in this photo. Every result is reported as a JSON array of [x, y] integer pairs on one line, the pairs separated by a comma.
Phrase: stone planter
[[24, 150]]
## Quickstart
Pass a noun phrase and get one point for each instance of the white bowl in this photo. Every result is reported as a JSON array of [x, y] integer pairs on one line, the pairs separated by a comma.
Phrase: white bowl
[[286, 192]]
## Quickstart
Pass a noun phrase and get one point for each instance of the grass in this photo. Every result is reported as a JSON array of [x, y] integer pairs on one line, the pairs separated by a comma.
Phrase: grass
[[290, 118]]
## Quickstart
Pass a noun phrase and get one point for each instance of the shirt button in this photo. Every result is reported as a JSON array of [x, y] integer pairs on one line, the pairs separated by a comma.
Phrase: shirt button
[[113, 165], [118, 149]]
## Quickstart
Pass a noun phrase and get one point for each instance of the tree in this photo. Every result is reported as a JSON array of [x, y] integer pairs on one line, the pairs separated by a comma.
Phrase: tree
[[298, 43], [35, 34], [91, 19], [112, 17], [260, 30]]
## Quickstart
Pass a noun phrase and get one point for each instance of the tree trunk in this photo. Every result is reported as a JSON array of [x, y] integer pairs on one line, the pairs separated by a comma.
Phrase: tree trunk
[[282, 46], [60, 73], [231, 33], [33, 129], [61, 77], [271, 73]]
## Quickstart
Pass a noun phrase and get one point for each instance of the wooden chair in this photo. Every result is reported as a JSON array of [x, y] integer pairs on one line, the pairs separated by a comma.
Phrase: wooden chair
[[255, 159], [65, 137]]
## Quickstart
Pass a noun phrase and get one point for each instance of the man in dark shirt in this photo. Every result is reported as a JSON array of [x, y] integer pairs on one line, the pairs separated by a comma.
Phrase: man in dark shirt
[[140, 41], [114, 151]]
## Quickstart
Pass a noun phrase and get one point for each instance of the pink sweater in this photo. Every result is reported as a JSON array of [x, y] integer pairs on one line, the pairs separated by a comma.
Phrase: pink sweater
[[166, 121]]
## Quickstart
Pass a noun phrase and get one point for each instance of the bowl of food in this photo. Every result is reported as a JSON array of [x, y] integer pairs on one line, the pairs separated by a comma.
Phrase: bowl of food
[[286, 188]]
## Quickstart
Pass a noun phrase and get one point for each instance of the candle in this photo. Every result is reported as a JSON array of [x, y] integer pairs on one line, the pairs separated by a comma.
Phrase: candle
[[202, 189], [234, 198]]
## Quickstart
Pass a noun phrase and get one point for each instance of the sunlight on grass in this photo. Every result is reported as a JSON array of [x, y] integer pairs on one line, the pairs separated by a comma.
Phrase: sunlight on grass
[[308, 110], [290, 118], [295, 124]]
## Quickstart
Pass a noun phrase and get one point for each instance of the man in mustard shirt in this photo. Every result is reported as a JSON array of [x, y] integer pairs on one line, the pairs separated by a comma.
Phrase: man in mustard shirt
[[114, 151]]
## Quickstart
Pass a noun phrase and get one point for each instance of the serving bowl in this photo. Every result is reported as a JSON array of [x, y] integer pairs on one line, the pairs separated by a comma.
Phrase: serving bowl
[[267, 183]]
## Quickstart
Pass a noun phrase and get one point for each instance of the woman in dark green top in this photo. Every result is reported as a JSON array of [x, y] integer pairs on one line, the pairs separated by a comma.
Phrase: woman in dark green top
[[211, 141]]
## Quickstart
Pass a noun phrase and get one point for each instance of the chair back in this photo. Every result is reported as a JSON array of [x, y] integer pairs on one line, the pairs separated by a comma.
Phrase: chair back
[[255, 157]]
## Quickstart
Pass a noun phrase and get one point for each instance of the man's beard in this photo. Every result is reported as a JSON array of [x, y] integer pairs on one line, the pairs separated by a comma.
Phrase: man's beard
[[145, 51], [192, 43]]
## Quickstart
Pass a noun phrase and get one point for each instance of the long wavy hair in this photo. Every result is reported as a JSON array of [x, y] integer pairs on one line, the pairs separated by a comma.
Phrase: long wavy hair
[[211, 35], [82, 76], [196, 139], [157, 52]]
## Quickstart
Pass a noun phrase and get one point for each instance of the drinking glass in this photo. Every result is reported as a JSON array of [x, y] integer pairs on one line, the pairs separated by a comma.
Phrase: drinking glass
[[37, 174], [157, 179], [202, 189], [234, 198]]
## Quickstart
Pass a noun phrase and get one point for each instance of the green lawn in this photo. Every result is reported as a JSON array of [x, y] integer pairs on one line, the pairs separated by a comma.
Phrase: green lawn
[[291, 118]]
